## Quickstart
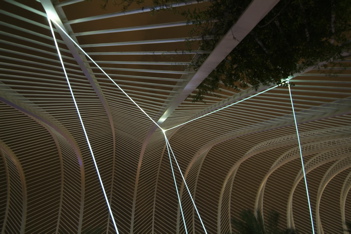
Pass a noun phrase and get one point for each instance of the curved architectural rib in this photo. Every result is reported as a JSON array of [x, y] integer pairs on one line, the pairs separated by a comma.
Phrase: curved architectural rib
[[192, 184], [86, 69], [310, 136], [346, 187], [318, 160], [136, 184], [54, 194], [65, 139], [334, 170], [84, 66], [73, 181], [316, 113], [241, 29], [156, 187], [57, 143], [303, 116], [278, 142], [273, 144], [155, 192], [307, 149], [14, 203]]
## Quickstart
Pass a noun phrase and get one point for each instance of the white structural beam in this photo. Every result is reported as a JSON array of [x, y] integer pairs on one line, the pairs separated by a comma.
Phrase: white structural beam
[[144, 63], [145, 42], [82, 62], [86, 69], [130, 12], [150, 52], [69, 2], [133, 29], [248, 20], [143, 70]]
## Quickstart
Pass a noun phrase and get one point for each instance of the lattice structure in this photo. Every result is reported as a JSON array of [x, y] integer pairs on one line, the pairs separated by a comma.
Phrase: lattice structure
[[315, 162], [236, 151], [336, 168], [16, 206], [307, 149], [343, 196]]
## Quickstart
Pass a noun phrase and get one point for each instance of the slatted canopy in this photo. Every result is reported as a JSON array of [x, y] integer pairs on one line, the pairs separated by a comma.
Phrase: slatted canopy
[[245, 156]]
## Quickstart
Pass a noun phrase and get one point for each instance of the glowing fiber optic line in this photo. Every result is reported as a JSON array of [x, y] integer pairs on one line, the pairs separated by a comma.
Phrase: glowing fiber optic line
[[301, 158], [85, 53], [83, 127], [222, 108], [180, 171], [175, 185]]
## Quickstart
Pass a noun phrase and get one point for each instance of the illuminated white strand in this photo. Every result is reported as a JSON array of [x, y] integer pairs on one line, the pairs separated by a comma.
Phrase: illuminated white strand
[[222, 108], [76, 44], [83, 127], [167, 142], [301, 158], [175, 184], [191, 197]]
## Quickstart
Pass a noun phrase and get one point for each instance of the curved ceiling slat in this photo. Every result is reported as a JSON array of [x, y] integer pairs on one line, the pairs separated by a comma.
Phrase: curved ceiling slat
[[316, 161], [16, 191], [346, 187], [307, 149], [217, 153], [335, 169]]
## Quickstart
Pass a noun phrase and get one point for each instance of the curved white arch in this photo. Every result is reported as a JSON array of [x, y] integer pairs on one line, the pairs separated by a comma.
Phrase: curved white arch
[[310, 136], [57, 130], [307, 149], [57, 143], [346, 187], [10, 157], [334, 170], [70, 155], [264, 146], [156, 187], [137, 176], [316, 113], [318, 160], [192, 184]]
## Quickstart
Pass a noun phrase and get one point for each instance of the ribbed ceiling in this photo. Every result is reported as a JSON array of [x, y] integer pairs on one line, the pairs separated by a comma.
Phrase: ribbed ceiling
[[245, 156]]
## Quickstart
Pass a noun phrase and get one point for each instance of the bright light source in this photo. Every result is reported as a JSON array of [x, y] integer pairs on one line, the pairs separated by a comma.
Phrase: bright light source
[[50, 15]]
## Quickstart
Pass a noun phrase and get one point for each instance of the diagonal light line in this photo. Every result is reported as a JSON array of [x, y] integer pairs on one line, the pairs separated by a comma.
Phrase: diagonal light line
[[301, 158], [175, 183], [191, 197], [222, 108], [85, 53], [83, 127]]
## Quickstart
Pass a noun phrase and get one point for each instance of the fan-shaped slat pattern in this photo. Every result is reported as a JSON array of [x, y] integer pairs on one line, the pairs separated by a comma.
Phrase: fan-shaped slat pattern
[[244, 156]]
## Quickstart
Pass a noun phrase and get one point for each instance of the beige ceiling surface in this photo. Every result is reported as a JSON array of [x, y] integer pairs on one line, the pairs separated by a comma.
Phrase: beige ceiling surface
[[245, 156]]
